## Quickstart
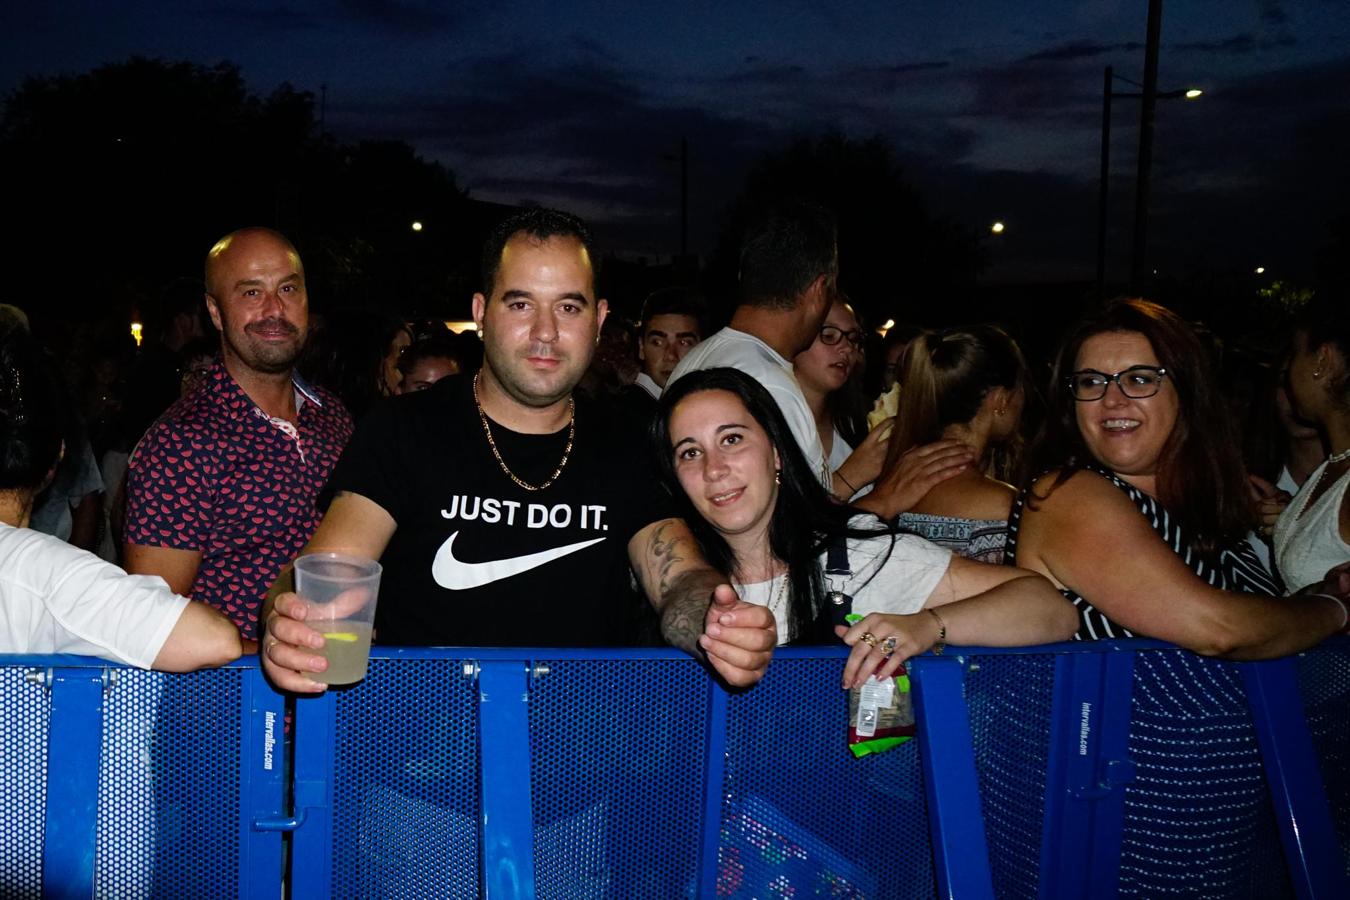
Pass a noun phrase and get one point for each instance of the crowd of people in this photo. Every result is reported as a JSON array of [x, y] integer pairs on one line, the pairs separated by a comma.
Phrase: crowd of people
[[562, 478]]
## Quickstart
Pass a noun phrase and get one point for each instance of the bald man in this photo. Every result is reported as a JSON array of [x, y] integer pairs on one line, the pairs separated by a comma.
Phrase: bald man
[[221, 490]]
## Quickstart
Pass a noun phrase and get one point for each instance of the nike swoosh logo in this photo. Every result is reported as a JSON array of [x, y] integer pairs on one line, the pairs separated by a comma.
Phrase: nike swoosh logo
[[457, 575]]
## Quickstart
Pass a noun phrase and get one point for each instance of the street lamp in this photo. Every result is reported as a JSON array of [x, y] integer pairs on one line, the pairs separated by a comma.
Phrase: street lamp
[[416, 226], [996, 228], [1141, 182]]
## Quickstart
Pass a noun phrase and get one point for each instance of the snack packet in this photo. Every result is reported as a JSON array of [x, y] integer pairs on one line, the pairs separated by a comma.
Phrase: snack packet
[[886, 406], [881, 712]]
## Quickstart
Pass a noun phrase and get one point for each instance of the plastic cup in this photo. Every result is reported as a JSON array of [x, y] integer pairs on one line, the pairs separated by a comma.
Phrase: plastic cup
[[340, 592]]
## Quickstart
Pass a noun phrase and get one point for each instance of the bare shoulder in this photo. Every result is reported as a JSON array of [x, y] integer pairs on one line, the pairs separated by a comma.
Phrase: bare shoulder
[[968, 496]]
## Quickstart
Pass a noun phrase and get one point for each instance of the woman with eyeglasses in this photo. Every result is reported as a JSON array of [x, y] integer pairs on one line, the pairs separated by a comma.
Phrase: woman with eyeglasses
[[968, 385], [1142, 520], [826, 372]]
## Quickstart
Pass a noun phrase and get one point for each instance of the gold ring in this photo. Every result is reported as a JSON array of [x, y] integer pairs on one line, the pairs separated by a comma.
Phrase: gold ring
[[888, 646], [869, 639]]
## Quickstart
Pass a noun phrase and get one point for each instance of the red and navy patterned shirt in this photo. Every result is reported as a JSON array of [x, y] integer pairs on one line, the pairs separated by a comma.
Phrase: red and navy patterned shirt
[[217, 475]]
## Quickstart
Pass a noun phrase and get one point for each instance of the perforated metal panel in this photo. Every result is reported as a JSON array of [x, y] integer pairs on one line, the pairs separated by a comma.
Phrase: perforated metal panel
[[1010, 701], [24, 711], [406, 806], [169, 786], [1198, 817], [801, 816], [1324, 682], [618, 754]]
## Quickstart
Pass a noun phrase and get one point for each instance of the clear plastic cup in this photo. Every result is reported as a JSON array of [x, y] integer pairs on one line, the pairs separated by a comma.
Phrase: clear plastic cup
[[340, 592]]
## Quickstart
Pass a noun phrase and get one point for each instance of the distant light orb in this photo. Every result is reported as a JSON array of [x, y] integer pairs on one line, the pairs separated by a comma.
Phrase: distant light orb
[[1260, 270], [996, 228], [417, 226], [138, 332], [1193, 93]]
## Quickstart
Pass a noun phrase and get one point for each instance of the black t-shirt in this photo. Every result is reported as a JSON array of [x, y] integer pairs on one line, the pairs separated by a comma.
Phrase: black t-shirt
[[477, 560]]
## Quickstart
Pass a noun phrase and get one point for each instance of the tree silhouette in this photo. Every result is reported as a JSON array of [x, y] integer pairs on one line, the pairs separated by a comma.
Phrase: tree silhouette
[[118, 180]]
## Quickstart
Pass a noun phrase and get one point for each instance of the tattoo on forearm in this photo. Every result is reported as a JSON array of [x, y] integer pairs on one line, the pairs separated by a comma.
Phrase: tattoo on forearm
[[685, 610], [663, 555]]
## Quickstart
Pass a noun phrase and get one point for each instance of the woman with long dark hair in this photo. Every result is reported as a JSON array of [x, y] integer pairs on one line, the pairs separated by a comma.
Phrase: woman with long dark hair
[[759, 513], [969, 385], [1142, 515]]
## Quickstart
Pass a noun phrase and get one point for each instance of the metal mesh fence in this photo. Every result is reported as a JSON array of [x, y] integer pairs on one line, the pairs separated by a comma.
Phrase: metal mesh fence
[[801, 816], [1324, 682], [406, 809], [24, 711], [1198, 816], [1010, 701], [618, 753]]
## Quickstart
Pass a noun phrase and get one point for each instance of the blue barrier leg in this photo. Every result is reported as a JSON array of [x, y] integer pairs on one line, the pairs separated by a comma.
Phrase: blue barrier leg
[[1088, 770], [262, 771], [312, 823], [508, 817], [713, 777], [947, 751], [1293, 773], [74, 744]]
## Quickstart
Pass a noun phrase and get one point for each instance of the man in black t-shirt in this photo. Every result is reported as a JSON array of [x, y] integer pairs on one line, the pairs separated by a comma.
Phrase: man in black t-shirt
[[504, 511]]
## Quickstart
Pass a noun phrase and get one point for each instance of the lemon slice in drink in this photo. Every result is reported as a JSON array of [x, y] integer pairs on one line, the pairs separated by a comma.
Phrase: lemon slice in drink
[[339, 636]]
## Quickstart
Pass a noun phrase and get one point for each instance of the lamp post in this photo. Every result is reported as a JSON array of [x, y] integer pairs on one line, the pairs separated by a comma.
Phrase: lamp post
[[1141, 181]]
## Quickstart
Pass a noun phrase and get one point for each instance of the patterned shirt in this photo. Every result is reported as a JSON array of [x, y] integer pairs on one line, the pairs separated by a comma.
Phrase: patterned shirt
[[216, 474], [1238, 567]]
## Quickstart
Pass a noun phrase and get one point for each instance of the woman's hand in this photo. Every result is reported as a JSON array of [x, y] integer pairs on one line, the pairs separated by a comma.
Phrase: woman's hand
[[864, 464], [916, 473], [881, 643], [1270, 502]]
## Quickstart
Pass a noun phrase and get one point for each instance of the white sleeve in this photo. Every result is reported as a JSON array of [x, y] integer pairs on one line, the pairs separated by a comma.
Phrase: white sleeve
[[99, 610], [899, 583]]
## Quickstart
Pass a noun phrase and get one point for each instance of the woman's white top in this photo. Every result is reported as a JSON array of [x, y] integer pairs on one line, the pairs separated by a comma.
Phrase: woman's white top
[[1308, 541], [56, 598], [898, 584]]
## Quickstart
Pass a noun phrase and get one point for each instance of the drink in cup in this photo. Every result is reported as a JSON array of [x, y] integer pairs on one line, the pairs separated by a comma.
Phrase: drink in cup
[[340, 593]]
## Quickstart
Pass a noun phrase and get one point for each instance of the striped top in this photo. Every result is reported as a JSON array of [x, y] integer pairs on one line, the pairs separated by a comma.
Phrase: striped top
[[1238, 569]]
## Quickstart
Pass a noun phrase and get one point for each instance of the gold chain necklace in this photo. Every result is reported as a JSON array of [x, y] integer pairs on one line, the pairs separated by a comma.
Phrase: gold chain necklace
[[567, 451]]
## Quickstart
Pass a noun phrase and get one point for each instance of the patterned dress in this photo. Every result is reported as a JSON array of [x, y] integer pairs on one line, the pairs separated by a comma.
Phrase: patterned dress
[[983, 540]]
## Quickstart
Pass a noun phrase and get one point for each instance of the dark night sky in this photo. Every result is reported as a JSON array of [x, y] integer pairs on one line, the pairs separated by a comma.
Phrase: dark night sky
[[994, 107]]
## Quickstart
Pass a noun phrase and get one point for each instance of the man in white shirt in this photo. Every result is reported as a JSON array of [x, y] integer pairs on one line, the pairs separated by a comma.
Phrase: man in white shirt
[[789, 263]]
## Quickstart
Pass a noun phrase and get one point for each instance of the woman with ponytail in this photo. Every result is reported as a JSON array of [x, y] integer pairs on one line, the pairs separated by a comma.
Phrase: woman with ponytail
[[965, 385]]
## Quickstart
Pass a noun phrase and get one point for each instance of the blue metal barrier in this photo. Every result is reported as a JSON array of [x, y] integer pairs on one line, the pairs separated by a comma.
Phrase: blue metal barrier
[[1068, 770]]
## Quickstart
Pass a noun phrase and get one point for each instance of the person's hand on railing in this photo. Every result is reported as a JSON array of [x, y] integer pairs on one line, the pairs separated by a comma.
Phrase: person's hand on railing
[[882, 642], [738, 638], [285, 659]]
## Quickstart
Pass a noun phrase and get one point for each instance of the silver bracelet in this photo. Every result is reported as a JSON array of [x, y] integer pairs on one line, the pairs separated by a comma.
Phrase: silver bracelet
[[1345, 613]]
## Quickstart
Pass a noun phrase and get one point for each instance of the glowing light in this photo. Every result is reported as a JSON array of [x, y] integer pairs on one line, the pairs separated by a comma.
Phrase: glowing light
[[417, 226], [459, 327], [136, 332], [1260, 270], [996, 228], [1193, 93]]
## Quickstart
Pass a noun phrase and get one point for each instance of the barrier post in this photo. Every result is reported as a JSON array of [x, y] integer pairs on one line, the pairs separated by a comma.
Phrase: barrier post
[[74, 745], [714, 774], [312, 823], [1294, 776], [1089, 767], [951, 786], [263, 773], [508, 813]]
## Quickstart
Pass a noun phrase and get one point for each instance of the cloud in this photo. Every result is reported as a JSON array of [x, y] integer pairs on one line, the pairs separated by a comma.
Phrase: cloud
[[398, 16], [1238, 44], [272, 17], [1079, 50], [1272, 12], [402, 15]]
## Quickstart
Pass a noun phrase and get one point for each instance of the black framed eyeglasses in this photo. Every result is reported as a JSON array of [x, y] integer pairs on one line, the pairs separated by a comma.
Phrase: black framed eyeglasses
[[1136, 382], [830, 336]]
